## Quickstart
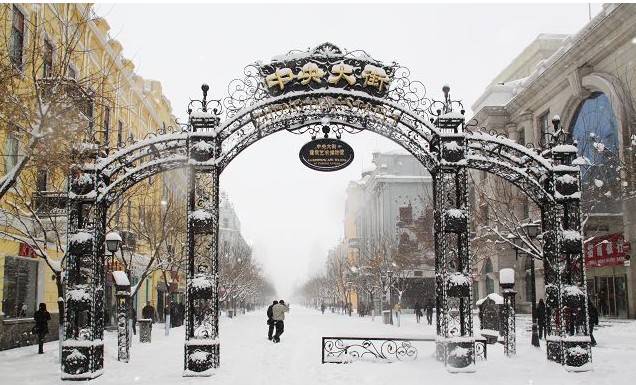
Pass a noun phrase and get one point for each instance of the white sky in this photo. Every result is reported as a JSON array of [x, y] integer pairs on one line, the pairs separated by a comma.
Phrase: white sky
[[247, 357], [290, 214]]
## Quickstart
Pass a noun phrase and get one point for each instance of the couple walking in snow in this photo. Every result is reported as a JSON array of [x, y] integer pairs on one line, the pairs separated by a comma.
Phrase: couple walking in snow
[[276, 319]]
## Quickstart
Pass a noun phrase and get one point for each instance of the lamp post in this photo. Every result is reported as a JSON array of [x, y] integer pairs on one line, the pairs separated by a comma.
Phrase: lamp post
[[507, 283], [532, 231], [389, 274], [122, 284], [349, 306], [113, 243]]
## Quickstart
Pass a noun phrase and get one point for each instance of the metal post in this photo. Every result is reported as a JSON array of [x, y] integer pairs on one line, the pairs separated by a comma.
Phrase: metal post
[[510, 343], [533, 293], [123, 341]]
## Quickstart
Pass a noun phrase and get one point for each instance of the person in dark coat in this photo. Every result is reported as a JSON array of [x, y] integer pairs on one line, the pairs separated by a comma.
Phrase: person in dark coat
[[429, 313], [593, 319], [541, 313], [148, 312], [42, 318], [270, 321], [418, 311]]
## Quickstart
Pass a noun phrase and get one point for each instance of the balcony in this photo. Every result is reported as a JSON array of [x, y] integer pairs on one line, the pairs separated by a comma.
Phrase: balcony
[[51, 203]]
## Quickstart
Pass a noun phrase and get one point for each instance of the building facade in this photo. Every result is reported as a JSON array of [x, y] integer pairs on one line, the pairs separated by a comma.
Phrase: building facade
[[385, 219], [586, 84], [53, 52]]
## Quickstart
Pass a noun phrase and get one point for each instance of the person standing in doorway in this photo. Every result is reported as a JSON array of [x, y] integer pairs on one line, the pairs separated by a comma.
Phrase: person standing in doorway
[[278, 314], [148, 312], [541, 313], [42, 318], [270, 321], [593, 319]]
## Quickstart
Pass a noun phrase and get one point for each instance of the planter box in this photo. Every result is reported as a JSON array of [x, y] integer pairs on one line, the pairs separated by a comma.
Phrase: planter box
[[453, 150], [458, 291], [201, 222], [80, 243], [576, 353], [201, 151], [460, 354], [82, 185], [455, 223], [566, 187]]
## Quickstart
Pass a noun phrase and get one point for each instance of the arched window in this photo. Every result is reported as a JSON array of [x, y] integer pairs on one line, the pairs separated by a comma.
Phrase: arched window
[[488, 266], [528, 287], [490, 283], [595, 131]]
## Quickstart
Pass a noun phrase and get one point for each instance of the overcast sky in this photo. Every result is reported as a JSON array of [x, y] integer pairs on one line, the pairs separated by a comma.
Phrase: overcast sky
[[290, 214]]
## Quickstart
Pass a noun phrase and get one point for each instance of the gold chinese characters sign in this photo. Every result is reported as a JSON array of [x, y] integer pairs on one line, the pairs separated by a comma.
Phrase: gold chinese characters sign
[[326, 154], [326, 66]]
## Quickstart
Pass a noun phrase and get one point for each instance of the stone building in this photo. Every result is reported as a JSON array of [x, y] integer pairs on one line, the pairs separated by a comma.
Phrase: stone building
[[587, 81], [382, 213]]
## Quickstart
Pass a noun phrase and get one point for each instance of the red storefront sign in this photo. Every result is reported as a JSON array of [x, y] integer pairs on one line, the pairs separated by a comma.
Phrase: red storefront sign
[[607, 250], [26, 250]]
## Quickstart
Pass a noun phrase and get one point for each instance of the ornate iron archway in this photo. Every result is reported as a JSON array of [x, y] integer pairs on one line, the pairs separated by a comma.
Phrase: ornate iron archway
[[306, 91]]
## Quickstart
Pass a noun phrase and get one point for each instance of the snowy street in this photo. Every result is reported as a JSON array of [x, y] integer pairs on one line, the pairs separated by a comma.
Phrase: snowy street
[[247, 357]]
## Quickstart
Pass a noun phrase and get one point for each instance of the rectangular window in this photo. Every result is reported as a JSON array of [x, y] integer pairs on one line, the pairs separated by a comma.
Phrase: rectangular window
[[544, 126], [12, 147], [20, 286], [106, 126], [17, 38], [71, 73], [120, 133], [41, 180], [47, 69]]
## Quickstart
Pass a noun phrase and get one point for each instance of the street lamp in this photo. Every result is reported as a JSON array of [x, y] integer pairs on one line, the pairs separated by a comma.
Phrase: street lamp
[[507, 283], [532, 231], [113, 243]]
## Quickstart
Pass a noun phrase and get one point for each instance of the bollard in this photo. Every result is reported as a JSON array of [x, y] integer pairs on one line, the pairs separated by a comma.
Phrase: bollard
[[145, 329]]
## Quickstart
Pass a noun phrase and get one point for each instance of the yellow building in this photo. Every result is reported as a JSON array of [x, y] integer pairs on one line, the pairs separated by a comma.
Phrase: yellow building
[[64, 84]]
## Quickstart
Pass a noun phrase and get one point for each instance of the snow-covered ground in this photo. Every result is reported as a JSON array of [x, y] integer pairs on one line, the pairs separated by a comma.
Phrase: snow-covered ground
[[247, 357]]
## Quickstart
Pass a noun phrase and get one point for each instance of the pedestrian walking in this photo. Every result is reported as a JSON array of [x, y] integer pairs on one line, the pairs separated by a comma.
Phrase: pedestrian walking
[[278, 315], [592, 312], [429, 313], [541, 313], [322, 307], [270, 321], [418, 311], [148, 312], [41, 327]]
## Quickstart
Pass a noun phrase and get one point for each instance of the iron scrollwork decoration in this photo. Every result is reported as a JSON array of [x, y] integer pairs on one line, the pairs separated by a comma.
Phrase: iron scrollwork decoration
[[348, 349]]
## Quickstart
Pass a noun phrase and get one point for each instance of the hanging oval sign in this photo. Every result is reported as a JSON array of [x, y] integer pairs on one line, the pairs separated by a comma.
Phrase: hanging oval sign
[[326, 154]]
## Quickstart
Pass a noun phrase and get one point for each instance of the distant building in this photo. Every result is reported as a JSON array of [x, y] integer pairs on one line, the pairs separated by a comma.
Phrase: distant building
[[382, 209]]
